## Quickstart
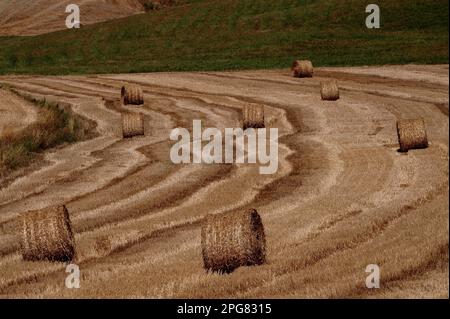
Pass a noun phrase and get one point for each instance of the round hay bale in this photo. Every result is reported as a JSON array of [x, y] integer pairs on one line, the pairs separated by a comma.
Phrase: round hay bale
[[132, 124], [295, 64], [329, 90], [412, 134], [47, 235], [253, 116], [132, 94], [303, 69], [232, 240]]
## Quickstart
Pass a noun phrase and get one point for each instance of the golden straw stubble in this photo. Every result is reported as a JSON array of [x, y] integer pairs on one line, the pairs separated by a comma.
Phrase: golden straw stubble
[[412, 134], [329, 90], [132, 124], [302, 69], [103, 245], [47, 235], [253, 116], [132, 94], [232, 240]]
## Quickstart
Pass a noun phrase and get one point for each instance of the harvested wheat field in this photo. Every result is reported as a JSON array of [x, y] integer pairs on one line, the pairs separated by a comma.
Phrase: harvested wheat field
[[15, 113], [343, 197]]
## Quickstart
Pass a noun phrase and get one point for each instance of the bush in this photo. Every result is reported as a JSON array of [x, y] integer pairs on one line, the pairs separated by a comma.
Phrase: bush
[[152, 5], [157, 5]]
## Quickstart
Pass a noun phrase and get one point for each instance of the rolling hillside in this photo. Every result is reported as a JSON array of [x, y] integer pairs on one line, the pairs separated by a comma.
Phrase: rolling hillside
[[231, 34], [31, 17], [345, 195]]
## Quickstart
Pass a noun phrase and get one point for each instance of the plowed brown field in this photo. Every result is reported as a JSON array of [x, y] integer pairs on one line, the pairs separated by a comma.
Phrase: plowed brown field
[[31, 17]]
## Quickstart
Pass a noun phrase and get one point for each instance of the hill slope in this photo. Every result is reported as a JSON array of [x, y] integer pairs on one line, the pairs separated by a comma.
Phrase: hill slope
[[31, 17], [231, 34]]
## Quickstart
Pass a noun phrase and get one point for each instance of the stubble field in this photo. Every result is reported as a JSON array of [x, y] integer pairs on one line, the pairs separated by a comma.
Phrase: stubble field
[[342, 198]]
